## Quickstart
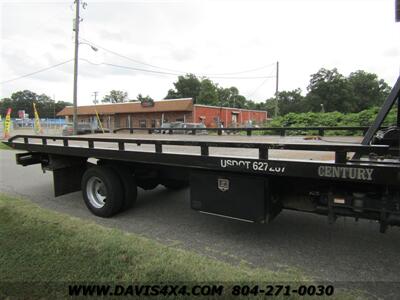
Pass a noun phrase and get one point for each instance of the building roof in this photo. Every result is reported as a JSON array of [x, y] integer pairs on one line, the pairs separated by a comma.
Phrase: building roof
[[231, 108], [185, 104]]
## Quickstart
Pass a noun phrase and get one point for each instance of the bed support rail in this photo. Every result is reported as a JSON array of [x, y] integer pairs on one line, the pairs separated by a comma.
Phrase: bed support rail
[[341, 151]]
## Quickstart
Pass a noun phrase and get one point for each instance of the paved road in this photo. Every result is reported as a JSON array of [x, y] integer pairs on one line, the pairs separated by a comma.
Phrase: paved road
[[346, 251]]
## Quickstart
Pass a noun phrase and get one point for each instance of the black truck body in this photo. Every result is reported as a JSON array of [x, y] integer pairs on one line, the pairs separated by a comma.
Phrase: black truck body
[[361, 181]]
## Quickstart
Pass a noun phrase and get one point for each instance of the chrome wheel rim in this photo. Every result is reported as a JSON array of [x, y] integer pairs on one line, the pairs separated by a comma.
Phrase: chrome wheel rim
[[96, 192]]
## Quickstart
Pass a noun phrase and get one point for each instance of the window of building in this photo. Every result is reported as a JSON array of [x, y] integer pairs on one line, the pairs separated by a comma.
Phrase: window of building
[[179, 120], [142, 124], [153, 123]]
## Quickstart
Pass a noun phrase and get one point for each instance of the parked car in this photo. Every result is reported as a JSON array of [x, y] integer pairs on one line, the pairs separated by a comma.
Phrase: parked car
[[169, 127], [83, 128], [163, 126], [23, 123], [166, 127], [195, 126]]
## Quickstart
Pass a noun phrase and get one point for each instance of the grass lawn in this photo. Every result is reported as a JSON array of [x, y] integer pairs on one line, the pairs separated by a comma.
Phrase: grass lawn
[[4, 147], [39, 245]]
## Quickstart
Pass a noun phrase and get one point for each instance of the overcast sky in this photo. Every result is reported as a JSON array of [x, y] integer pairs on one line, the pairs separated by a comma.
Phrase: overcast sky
[[203, 37]]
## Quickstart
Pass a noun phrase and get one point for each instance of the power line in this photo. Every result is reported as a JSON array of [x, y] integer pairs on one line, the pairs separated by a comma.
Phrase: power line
[[259, 86], [36, 72], [129, 68], [248, 77], [169, 73], [173, 70], [128, 58], [241, 72]]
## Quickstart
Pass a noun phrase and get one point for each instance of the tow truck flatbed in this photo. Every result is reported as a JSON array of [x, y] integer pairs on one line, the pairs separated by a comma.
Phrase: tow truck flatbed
[[249, 178], [177, 159]]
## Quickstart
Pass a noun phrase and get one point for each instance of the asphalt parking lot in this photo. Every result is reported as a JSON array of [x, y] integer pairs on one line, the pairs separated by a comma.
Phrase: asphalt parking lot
[[343, 252]]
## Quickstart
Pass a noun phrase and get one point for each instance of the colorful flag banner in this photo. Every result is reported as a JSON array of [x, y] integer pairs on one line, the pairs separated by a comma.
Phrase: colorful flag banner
[[37, 127], [98, 120], [7, 124]]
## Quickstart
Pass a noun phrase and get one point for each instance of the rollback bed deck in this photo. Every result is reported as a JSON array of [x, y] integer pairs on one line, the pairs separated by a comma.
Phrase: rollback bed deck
[[248, 180], [222, 171]]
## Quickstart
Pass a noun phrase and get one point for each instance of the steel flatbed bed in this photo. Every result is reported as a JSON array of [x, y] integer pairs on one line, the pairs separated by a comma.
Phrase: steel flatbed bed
[[325, 170], [107, 143], [205, 153], [249, 178]]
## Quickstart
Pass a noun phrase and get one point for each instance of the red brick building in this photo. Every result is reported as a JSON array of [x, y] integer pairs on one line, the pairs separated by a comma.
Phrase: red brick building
[[229, 117], [135, 114]]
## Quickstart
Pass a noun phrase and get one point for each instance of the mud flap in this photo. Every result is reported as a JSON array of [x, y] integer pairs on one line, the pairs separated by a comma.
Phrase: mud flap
[[67, 173], [68, 180]]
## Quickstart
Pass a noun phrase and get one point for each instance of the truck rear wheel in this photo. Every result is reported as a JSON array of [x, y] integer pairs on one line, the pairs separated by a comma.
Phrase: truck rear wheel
[[102, 191], [129, 185]]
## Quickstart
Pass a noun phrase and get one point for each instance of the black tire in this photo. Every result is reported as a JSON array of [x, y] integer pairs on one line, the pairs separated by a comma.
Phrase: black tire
[[129, 184], [175, 184], [98, 182]]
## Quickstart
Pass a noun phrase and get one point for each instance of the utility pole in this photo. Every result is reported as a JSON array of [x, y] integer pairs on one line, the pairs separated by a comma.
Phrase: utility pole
[[54, 106], [95, 97], [75, 97], [276, 89]]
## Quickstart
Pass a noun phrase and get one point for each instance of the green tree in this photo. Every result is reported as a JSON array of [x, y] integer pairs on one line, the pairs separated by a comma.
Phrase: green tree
[[187, 86], [23, 100], [250, 104], [5, 103], [59, 105], [259, 105], [208, 93], [228, 96], [330, 89], [359, 91], [290, 101], [115, 96], [45, 106], [205, 91], [146, 99], [172, 94], [240, 101], [269, 106], [367, 89], [224, 96]]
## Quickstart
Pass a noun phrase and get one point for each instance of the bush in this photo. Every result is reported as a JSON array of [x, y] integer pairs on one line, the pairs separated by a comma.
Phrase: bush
[[312, 119]]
